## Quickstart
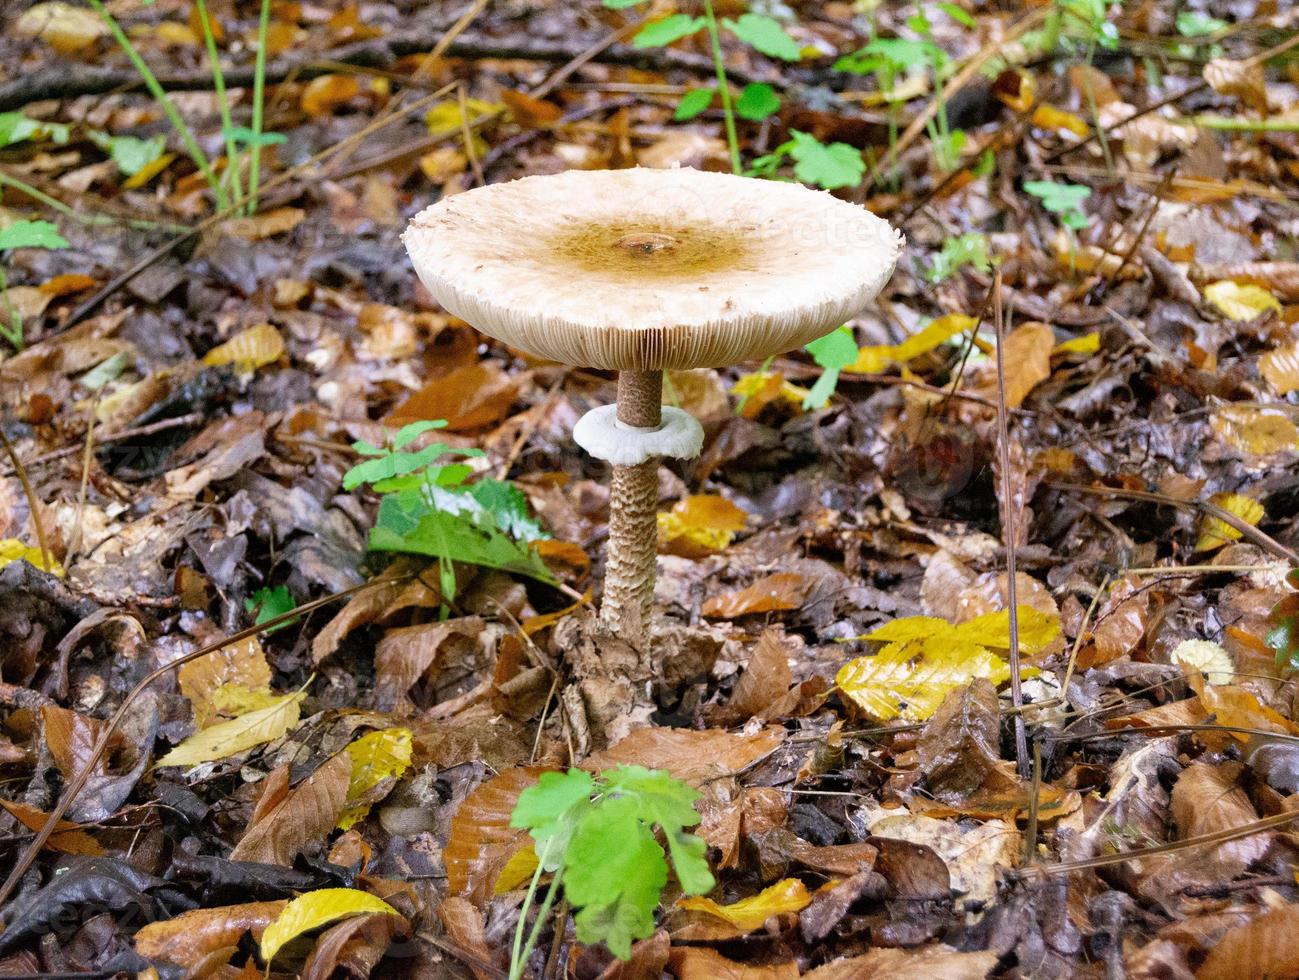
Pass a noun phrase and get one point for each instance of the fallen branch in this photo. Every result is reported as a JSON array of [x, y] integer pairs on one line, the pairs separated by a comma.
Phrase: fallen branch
[[67, 81]]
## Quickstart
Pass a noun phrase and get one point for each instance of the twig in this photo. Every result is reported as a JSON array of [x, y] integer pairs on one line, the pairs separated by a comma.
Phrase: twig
[[1009, 526], [194, 418], [32, 503]]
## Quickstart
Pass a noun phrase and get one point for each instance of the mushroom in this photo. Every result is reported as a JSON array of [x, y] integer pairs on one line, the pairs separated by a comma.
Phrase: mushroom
[[641, 271]]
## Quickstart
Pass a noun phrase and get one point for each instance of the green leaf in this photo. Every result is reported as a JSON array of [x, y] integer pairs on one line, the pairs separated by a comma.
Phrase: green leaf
[[549, 811], [15, 127], [693, 103], [615, 872], [508, 509], [959, 251], [409, 433], [958, 14], [820, 393], [757, 101], [690, 862], [764, 34], [836, 349], [659, 797], [1191, 23], [248, 137], [1058, 198], [269, 603], [31, 234], [835, 165], [130, 153], [622, 4], [666, 31]]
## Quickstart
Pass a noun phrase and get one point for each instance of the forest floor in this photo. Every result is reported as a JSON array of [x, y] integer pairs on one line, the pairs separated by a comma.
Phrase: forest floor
[[220, 698]]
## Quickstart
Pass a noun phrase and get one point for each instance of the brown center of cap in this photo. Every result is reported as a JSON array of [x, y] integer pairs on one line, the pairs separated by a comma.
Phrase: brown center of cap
[[646, 243]]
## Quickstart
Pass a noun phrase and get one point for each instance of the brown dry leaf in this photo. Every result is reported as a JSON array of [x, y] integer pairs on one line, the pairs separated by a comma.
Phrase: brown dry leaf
[[528, 111], [960, 746], [241, 663], [1207, 799], [68, 837], [469, 397], [779, 592], [1267, 946], [307, 814], [191, 939], [936, 962], [1281, 278], [482, 841], [700, 963], [71, 737], [354, 947], [68, 283], [730, 816], [844, 860], [1238, 707], [699, 525], [693, 756], [63, 26], [1238, 79], [464, 924], [766, 678], [1120, 623], [1027, 355], [649, 958], [380, 600], [1281, 368], [405, 655], [326, 93], [276, 221]]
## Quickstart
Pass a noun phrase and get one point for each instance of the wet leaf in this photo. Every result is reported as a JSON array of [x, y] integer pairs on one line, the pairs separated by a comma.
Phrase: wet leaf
[[748, 914], [936, 962], [241, 663], [378, 758], [355, 946], [284, 826], [315, 909], [68, 837], [1240, 302], [191, 938], [1026, 352], [1259, 431], [1215, 533], [1049, 117], [779, 592], [220, 741]]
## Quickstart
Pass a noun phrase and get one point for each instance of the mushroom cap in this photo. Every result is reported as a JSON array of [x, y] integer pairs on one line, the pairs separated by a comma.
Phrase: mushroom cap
[[651, 269]]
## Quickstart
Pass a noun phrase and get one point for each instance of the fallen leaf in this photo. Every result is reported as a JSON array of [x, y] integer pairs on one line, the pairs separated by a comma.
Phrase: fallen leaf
[[699, 525], [1026, 352], [528, 111], [315, 909], [1214, 532], [325, 93], [974, 855], [227, 738], [1260, 431], [960, 745], [11, 549], [267, 224], [748, 914], [775, 593], [766, 678], [242, 663], [68, 837], [1049, 117], [1240, 302], [1281, 368], [481, 840], [464, 924], [378, 758], [63, 26], [407, 654], [1239, 79], [701, 963], [691, 755], [278, 833], [872, 360], [762, 388], [937, 962], [248, 350], [190, 939], [469, 397]]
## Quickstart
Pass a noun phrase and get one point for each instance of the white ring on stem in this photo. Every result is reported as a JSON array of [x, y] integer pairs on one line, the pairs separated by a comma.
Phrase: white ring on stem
[[601, 434]]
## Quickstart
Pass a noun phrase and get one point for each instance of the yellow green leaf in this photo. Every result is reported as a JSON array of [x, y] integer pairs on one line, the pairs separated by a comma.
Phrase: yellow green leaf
[[1240, 302], [910, 679], [786, 895], [1214, 533], [1037, 630], [1086, 344], [225, 739], [315, 909], [239, 699], [375, 757], [700, 525], [872, 360], [248, 350], [11, 549], [150, 170], [518, 869], [1049, 117], [762, 388]]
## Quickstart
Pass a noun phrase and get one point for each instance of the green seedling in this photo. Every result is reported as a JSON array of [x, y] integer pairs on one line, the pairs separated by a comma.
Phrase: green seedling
[[267, 603], [833, 352], [22, 234], [596, 837], [429, 507], [957, 252], [1062, 200]]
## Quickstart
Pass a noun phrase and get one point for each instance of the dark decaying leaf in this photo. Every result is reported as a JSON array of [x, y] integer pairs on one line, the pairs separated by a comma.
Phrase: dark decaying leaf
[[225, 881], [405, 655], [959, 746]]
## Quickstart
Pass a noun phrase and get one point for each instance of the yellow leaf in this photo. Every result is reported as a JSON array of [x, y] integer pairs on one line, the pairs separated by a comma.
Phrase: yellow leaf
[[63, 26], [325, 93], [1281, 368], [1049, 117], [913, 628], [1209, 658], [518, 869], [1214, 533], [786, 895], [445, 118], [699, 525], [240, 667], [238, 699], [11, 549], [1259, 431], [248, 350], [376, 757], [1086, 344], [148, 171], [762, 388], [910, 679], [872, 360], [315, 909], [1240, 302], [228, 737], [1037, 630]]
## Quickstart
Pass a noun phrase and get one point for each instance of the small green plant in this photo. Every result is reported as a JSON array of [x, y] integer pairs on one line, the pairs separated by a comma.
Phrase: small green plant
[[431, 508], [815, 163], [833, 352], [957, 252], [267, 603], [595, 836], [22, 234], [1062, 200]]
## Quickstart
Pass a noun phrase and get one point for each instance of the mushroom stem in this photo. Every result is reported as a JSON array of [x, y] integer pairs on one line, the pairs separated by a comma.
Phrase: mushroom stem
[[633, 509]]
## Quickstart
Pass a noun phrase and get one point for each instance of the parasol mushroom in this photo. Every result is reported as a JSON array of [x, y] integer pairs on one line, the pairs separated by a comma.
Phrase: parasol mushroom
[[642, 271]]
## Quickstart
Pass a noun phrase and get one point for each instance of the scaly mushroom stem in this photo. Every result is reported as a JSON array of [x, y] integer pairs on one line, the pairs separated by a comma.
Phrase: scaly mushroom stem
[[633, 509]]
